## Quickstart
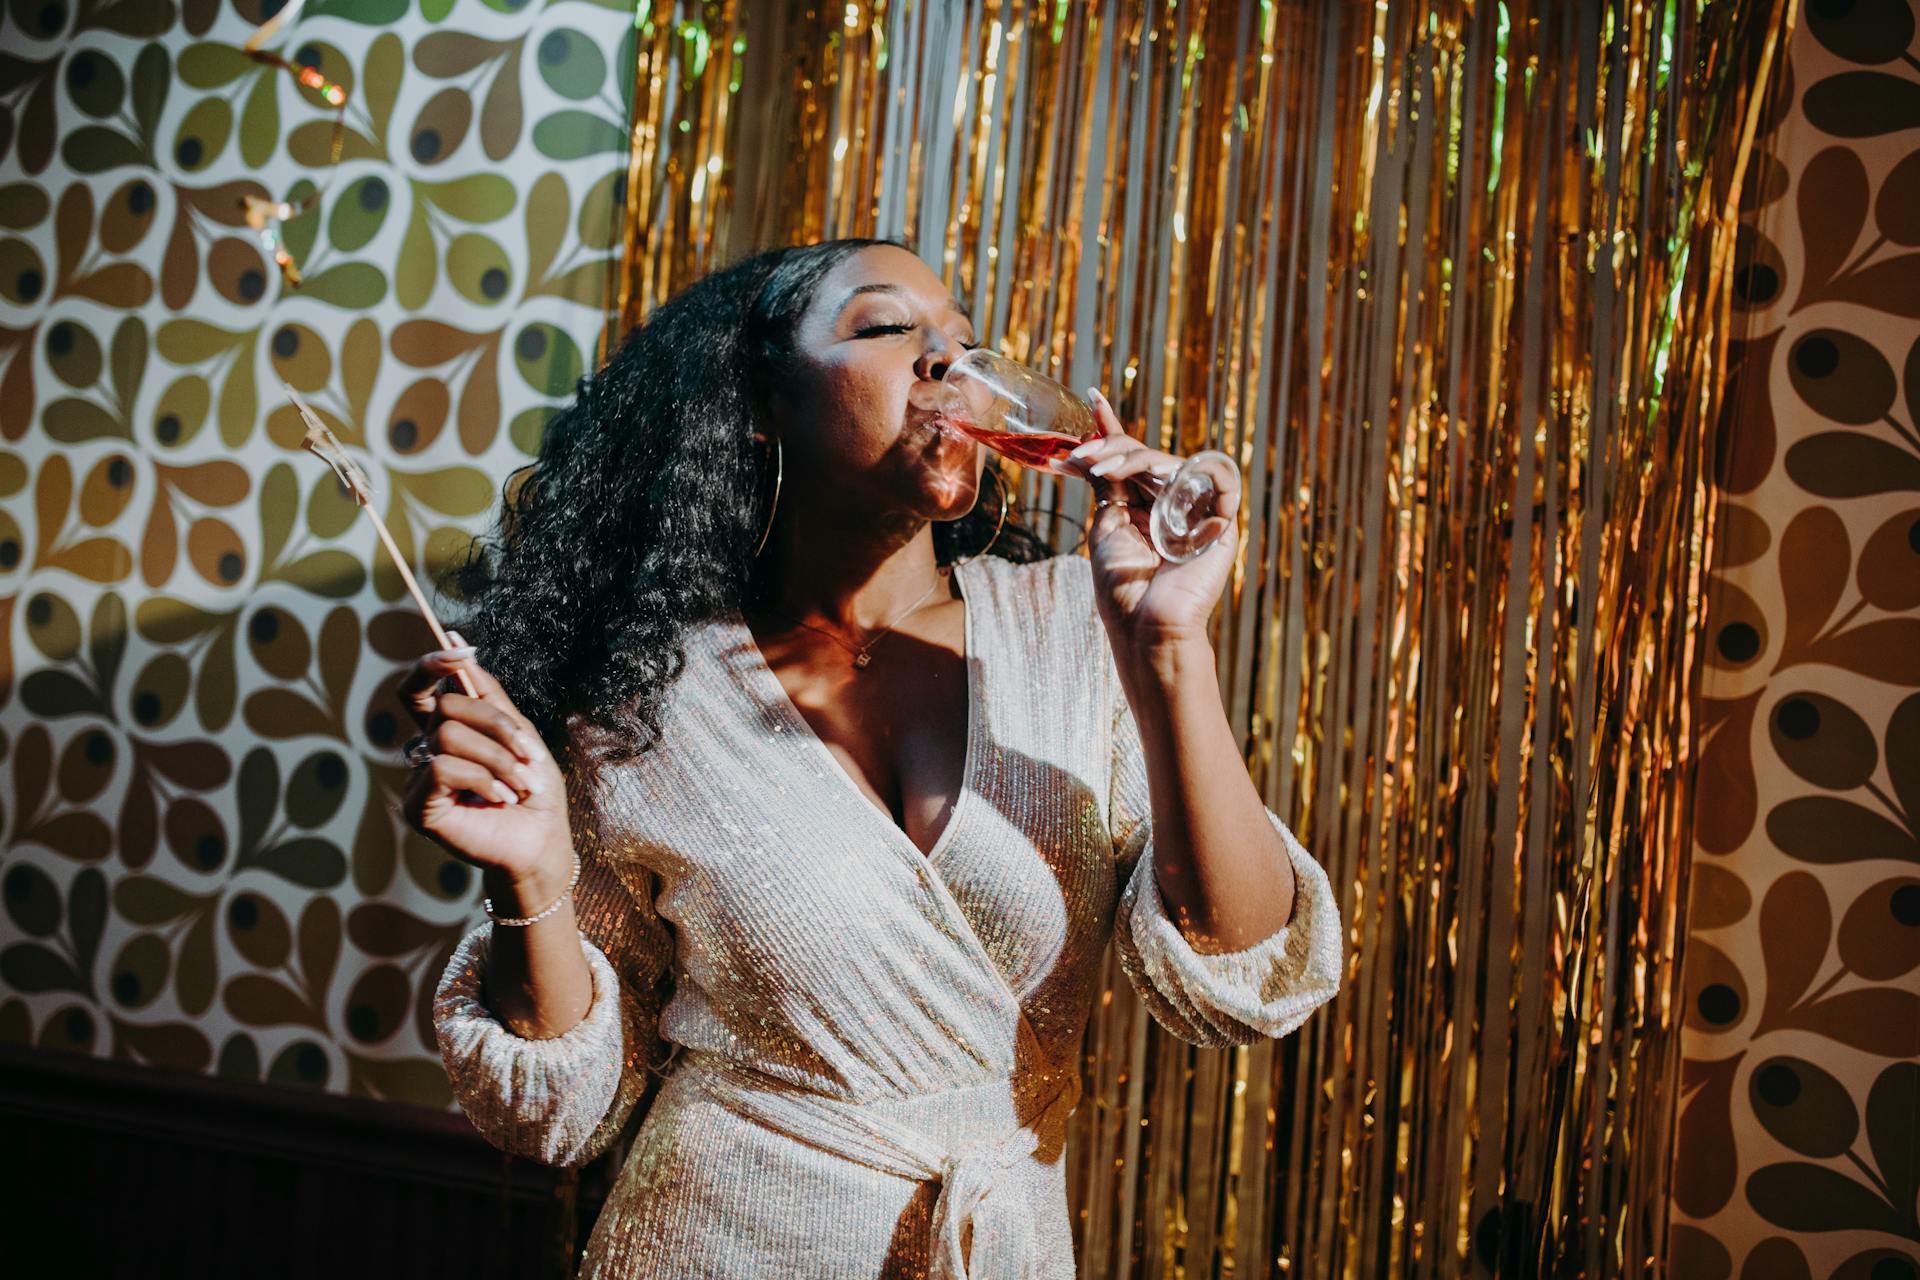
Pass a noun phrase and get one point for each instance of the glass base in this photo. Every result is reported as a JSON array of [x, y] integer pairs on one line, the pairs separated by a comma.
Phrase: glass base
[[1186, 504]]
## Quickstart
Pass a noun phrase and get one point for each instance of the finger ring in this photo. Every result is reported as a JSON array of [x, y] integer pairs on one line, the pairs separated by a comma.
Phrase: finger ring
[[1111, 502], [419, 750]]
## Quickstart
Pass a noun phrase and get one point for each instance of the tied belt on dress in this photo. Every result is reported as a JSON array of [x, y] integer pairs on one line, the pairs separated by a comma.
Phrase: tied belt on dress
[[1004, 1237]]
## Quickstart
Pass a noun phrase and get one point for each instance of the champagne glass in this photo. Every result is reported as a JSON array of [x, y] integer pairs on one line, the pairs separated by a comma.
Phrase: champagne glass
[[1036, 422]]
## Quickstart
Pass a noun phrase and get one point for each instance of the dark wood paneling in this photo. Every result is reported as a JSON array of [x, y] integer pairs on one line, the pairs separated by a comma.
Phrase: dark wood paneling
[[111, 1169]]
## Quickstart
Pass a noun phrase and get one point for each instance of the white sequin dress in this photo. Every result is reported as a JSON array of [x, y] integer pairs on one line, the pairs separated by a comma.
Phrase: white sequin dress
[[869, 1054]]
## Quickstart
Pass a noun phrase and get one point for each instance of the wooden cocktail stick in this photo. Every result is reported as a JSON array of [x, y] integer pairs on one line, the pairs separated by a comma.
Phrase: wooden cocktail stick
[[271, 27], [324, 445]]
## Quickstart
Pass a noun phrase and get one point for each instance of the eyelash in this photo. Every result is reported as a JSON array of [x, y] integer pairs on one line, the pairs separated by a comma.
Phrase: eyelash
[[872, 329]]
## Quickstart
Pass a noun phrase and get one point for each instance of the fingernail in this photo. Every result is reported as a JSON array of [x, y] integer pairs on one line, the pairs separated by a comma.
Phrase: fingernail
[[1083, 450], [1093, 393], [1101, 468], [504, 793], [459, 641], [451, 655], [524, 747]]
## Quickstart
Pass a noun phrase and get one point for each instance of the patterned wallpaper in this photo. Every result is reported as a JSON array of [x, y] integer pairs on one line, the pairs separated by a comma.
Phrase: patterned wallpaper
[[1799, 1137], [199, 637]]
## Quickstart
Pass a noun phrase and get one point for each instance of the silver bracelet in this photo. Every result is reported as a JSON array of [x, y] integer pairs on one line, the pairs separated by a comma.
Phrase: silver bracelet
[[486, 904]]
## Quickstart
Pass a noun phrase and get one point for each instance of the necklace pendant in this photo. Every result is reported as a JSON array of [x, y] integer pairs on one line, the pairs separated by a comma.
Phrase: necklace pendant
[[860, 660]]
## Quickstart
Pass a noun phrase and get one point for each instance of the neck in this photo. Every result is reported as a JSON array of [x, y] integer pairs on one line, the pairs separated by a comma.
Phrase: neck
[[853, 577]]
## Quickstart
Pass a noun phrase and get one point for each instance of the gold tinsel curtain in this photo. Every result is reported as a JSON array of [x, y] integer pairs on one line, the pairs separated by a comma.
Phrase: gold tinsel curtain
[[1448, 278]]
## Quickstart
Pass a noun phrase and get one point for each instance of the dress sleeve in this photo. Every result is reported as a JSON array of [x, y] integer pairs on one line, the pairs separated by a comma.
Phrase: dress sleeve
[[1238, 997], [563, 1100]]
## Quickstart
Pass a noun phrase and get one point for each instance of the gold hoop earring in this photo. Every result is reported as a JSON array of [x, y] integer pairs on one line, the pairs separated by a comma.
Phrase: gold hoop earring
[[779, 470], [1004, 504]]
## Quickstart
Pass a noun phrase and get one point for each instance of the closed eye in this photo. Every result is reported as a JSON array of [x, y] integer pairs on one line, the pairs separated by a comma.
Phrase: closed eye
[[874, 330]]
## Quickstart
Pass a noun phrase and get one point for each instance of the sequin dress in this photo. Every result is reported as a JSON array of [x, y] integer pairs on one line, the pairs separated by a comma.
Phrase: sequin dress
[[866, 1055]]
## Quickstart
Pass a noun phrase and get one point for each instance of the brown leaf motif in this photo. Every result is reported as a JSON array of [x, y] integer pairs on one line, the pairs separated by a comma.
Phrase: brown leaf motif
[[1706, 1160]]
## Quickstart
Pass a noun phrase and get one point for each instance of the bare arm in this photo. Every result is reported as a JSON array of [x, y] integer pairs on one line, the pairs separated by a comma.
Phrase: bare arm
[[1222, 869]]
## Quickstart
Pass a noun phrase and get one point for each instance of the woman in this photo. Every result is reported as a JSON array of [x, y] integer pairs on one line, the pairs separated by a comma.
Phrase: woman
[[856, 808]]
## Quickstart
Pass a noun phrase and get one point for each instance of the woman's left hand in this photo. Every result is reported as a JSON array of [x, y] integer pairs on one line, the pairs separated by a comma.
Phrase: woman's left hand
[[1148, 603]]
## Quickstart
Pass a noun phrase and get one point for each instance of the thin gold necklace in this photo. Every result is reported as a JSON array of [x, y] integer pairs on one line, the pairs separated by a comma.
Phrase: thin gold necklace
[[864, 654]]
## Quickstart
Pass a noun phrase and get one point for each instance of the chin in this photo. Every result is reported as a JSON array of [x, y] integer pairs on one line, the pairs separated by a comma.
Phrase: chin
[[949, 478], [951, 494]]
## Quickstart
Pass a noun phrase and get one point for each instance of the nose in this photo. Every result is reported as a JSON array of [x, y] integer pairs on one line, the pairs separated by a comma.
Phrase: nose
[[935, 356]]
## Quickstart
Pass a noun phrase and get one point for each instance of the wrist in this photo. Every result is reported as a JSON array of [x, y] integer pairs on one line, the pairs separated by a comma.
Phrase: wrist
[[1168, 660], [523, 892]]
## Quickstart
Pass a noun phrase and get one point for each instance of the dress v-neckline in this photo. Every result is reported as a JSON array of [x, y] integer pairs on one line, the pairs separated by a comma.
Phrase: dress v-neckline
[[775, 695]]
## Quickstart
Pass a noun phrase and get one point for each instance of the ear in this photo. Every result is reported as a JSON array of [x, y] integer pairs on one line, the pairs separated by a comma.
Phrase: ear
[[775, 412]]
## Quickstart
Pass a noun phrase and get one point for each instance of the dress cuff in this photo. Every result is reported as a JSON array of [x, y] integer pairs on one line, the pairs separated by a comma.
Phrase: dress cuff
[[1236, 997], [536, 1098]]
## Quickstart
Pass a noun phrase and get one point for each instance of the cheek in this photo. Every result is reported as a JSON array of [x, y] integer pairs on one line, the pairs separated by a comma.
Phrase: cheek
[[860, 406]]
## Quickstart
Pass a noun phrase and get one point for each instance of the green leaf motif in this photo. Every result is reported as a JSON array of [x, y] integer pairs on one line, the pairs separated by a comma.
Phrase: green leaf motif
[[95, 149], [476, 198], [418, 266], [571, 63], [152, 900], [359, 212], [29, 968], [33, 900], [152, 78], [211, 64], [239, 405], [603, 212], [478, 269], [51, 694], [309, 862], [202, 134], [352, 286], [382, 71], [453, 491], [279, 497], [546, 222], [331, 573], [260, 122], [573, 135], [76, 421], [528, 427], [548, 359], [372, 13]]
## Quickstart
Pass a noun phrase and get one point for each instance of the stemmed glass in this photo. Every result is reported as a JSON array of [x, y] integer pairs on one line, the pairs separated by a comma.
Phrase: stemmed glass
[[1036, 422]]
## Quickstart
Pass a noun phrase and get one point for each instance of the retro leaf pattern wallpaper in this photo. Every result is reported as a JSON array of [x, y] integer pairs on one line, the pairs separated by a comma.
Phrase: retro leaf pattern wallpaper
[[203, 868], [1799, 1133]]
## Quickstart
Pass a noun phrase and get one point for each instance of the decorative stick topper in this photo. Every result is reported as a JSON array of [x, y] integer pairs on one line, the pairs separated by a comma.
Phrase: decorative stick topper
[[324, 445]]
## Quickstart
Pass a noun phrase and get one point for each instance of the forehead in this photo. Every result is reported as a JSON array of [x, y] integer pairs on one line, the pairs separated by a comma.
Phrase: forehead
[[883, 271]]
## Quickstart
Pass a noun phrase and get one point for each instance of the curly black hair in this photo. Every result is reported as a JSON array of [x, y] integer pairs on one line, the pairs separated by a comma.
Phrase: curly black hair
[[640, 516]]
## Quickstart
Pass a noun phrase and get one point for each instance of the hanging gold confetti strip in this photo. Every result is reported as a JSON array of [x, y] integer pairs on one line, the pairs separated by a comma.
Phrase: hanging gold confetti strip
[[1449, 279]]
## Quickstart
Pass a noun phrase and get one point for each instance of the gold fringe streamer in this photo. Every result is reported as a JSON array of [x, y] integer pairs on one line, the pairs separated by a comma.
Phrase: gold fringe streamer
[[1449, 279]]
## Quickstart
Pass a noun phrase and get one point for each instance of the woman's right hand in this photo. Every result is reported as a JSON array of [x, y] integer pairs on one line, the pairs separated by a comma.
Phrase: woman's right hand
[[491, 795]]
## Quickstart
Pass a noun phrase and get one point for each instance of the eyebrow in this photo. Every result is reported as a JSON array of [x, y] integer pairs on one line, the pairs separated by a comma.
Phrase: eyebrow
[[959, 307]]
